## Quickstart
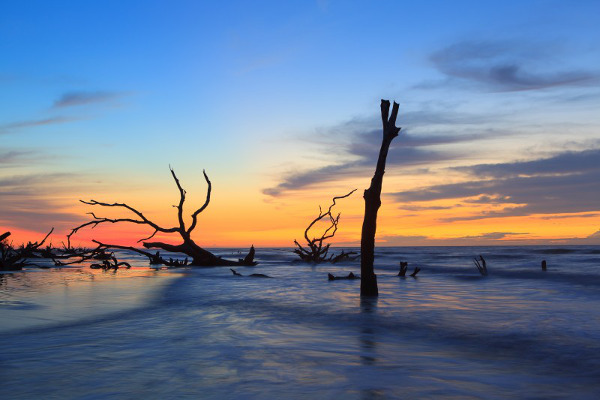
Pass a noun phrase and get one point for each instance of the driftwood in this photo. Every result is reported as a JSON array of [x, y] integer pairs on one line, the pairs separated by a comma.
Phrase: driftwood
[[350, 276], [108, 265], [372, 196], [415, 272], [403, 268], [316, 251], [235, 273], [14, 259], [481, 265], [198, 255]]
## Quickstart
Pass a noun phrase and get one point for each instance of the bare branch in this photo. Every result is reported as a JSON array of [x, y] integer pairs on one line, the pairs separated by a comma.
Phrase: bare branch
[[181, 201], [198, 211], [316, 252], [100, 220]]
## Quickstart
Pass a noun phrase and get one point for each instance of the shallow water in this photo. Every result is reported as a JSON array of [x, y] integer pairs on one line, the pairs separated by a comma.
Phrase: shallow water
[[204, 333]]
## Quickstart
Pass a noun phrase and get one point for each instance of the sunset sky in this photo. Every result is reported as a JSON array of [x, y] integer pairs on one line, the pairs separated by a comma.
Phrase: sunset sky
[[279, 103]]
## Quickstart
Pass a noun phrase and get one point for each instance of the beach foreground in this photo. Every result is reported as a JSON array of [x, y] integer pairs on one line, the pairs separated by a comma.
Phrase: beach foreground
[[203, 333]]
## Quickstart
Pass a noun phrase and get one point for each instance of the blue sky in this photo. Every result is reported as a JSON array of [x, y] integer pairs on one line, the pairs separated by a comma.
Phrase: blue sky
[[280, 99]]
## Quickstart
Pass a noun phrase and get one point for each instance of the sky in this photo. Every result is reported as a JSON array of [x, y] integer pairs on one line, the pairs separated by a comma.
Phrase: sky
[[279, 103]]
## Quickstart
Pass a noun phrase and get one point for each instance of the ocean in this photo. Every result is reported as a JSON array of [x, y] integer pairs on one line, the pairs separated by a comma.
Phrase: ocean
[[449, 333]]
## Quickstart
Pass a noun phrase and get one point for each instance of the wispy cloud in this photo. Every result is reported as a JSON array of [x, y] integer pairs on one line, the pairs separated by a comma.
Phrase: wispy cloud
[[506, 66], [565, 183], [14, 157], [493, 235], [409, 151], [7, 128], [31, 202], [79, 98]]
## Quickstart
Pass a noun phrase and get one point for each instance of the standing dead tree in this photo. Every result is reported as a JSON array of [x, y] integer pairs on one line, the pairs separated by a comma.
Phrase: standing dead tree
[[315, 250], [372, 196], [198, 255]]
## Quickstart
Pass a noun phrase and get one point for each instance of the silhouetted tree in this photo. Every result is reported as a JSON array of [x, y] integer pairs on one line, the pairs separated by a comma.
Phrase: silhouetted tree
[[316, 251], [372, 196], [198, 255]]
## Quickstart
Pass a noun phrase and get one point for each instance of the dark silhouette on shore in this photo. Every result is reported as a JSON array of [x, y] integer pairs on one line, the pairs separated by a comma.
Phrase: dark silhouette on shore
[[315, 251], [14, 259], [372, 196], [543, 265], [198, 255]]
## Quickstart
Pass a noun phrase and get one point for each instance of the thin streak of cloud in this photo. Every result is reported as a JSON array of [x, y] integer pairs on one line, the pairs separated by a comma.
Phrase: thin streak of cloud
[[7, 128], [565, 183], [504, 66], [71, 99]]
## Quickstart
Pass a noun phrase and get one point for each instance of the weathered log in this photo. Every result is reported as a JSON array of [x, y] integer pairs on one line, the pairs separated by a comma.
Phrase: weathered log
[[372, 196]]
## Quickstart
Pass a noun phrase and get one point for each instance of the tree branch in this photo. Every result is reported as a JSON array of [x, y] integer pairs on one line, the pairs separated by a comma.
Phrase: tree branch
[[198, 211]]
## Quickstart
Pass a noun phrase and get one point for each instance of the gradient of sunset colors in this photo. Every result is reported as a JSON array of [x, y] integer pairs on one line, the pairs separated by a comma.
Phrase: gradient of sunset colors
[[279, 103]]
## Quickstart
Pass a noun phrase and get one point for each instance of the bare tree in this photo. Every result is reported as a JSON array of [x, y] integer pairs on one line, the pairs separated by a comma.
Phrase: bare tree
[[372, 196], [316, 251], [198, 255]]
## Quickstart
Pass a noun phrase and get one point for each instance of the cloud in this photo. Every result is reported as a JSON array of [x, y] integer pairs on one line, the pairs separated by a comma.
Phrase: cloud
[[7, 128], [410, 207], [505, 66], [595, 235], [493, 235], [31, 202], [564, 163], [80, 98], [565, 183], [362, 142], [14, 157]]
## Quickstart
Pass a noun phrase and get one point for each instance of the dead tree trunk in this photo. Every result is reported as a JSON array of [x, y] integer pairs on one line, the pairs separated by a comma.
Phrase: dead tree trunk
[[372, 196], [199, 256]]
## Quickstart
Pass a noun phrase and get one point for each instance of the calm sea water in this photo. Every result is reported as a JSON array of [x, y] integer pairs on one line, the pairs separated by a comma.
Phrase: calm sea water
[[204, 333]]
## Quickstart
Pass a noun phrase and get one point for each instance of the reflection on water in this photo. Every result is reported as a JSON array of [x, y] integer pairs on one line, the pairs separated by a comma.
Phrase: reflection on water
[[518, 333]]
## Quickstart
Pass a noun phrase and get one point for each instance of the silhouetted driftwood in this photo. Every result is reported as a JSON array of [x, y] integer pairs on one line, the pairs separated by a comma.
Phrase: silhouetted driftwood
[[198, 255], [315, 250], [111, 263], [481, 265], [350, 276], [372, 196], [235, 273], [403, 268], [415, 272], [14, 259]]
